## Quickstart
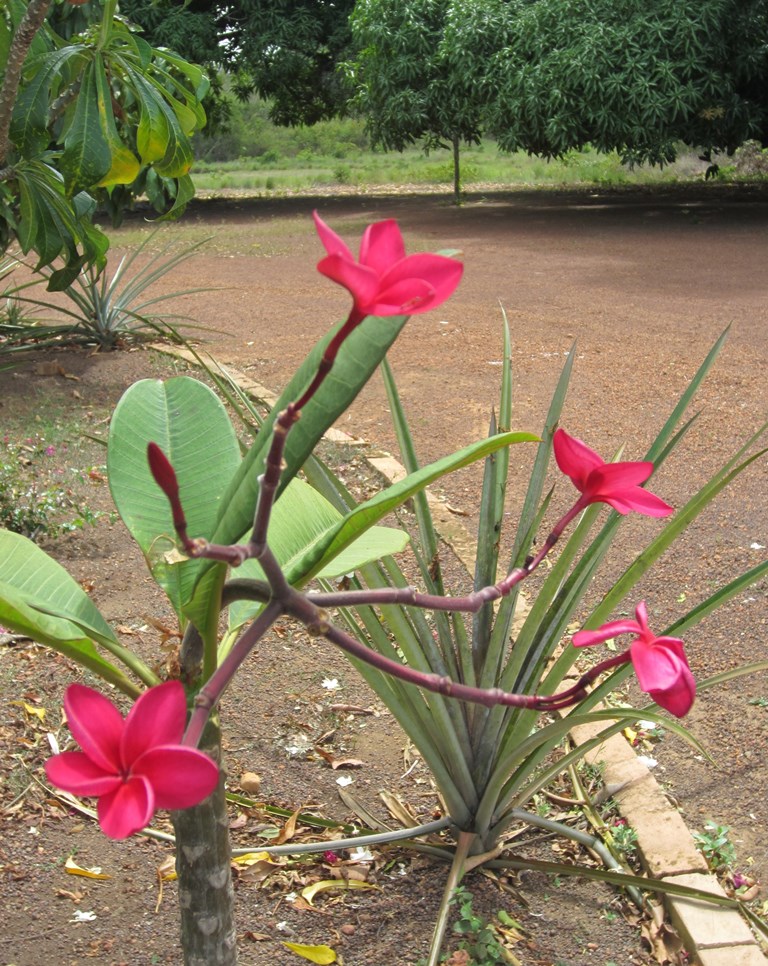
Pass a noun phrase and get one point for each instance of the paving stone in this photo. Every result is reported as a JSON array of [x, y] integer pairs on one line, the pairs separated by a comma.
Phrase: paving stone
[[665, 845], [731, 956], [703, 926]]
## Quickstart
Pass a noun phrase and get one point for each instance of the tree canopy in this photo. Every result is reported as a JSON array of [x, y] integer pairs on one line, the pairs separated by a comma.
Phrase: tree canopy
[[547, 76], [286, 51]]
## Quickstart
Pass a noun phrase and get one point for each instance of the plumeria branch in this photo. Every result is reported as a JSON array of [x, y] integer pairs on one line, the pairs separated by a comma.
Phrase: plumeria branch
[[310, 609]]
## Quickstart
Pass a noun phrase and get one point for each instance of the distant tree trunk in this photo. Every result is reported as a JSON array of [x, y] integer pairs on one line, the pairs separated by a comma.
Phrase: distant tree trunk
[[203, 855], [456, 171]]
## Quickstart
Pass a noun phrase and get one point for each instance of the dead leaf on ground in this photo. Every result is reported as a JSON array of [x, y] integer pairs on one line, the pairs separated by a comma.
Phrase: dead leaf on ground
[[72, 868], [664, 942], [329, 885], [75, 896], [323, 955], [338, 762]]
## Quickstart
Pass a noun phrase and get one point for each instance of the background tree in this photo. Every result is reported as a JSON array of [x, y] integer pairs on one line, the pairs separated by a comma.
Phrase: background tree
[[89, 112], [637, 78], [548, 76], [408, 82], [286, 51]]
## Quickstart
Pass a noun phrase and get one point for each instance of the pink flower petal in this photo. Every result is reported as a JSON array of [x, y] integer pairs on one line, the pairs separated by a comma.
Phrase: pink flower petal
[[662, 671], [157, 717], [361, 282], [441, 274], [616, 484], [75, 772], [574, 458], [180, 776], [619, 476], [331, 241], [128, 809], [384, 281], [605, 633], [641, 501], [382, 246], [408, 297], [96, 725]]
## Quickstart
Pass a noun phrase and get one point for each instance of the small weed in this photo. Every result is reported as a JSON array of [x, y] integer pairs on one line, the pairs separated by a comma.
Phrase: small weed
[[624, 838], [715, 846], [758, 702], [479, 938], [33, 502]]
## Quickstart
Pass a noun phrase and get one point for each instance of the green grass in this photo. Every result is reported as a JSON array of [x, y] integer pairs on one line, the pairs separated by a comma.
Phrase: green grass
[[272, 173]]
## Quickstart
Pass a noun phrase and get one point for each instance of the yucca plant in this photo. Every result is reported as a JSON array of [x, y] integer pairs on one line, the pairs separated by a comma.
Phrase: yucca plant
[[108, 308], [489, 762]]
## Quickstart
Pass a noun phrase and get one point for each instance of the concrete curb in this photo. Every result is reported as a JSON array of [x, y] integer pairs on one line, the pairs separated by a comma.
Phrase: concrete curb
[[713, 935]]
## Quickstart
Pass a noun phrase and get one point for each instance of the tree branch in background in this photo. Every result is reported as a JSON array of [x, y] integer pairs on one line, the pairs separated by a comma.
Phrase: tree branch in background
[[28, 27]]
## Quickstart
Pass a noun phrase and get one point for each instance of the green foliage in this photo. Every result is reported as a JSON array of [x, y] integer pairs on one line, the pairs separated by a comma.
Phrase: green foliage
[[552, 75], [488, 763], [107, 310], [621, 76], [33, 501], [478, 937], [92, 113], [284, 51], [715, 846]]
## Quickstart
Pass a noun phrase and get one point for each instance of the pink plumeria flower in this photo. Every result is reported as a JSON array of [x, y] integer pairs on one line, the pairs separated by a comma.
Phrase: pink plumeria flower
[[617, 484], [135, 765], [660, 662], [384, 280]]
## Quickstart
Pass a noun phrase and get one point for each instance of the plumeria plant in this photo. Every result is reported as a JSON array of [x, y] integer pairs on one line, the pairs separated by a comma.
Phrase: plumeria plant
[[247, 535]]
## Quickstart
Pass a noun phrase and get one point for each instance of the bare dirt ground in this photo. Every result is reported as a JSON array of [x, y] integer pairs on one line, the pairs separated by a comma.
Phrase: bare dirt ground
[[643, 283]]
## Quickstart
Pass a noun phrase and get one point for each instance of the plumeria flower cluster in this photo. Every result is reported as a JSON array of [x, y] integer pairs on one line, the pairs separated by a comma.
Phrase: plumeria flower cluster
[[149, 761]]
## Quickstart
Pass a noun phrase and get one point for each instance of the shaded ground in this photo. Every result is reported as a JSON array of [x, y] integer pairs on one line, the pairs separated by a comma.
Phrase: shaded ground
[[644, 283]]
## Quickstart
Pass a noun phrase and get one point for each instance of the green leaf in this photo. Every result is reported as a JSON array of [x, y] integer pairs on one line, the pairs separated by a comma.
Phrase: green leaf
[[32, 585], [29, 125], [124, 166], [87, 157], [368, 513], [357, 360], [300, 520], [187, 421]]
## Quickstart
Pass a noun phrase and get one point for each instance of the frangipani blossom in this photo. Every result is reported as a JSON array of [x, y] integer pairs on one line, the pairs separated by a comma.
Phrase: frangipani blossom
[[660, 662], [617, 484], [135, 765], [384, 280]]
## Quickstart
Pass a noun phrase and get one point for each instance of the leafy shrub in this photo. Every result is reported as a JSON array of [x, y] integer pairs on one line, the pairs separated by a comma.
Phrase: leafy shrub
[[29, 506]]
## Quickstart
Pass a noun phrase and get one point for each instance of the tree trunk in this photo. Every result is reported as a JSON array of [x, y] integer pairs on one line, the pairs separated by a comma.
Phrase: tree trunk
[[203, 855], [456, 171]]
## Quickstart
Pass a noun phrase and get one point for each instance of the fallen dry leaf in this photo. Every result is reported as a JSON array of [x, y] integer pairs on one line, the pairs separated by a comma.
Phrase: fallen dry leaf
[[72, 868], [67, 894], [323, 955], [328, 885]]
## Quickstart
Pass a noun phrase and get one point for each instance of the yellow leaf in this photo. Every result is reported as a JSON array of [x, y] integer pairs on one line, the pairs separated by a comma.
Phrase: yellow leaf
[[71, 867], [325, 885], [315, 954], [166, 871], [31, 709], [251, 858]]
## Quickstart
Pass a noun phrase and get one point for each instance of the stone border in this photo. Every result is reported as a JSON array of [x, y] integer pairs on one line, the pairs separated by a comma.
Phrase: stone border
[[713, 935]]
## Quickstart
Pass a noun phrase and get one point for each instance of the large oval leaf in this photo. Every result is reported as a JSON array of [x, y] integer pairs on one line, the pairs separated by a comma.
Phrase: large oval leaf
[[188, 422]]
